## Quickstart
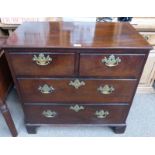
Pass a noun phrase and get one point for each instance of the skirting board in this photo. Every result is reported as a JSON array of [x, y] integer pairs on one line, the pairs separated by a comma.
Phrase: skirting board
[[148, 90]]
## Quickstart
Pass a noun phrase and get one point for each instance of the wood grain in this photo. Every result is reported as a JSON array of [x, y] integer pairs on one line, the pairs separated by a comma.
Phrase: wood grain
[[66, 35], [130, 65], [85, 94], [64, 115], [61, 65]]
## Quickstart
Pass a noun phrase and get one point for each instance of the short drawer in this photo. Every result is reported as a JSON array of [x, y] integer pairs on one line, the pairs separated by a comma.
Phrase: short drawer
[[42, 64], [79, 90], [117, 65], [76, 114]]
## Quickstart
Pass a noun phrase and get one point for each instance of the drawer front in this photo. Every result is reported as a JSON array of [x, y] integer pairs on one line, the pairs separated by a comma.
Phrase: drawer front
[[79, 90], [87, 114], [128, 65], [43, 65]]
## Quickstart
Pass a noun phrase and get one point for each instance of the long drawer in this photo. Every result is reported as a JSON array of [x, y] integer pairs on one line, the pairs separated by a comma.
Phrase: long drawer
[[39, 64], [116, 65], [79, 90], [59, 114]]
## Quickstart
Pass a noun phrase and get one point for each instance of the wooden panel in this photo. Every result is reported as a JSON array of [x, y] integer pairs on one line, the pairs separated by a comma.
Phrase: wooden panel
[[61, 65], [130, 65], [77, 34], [117, 114], [149, 69], [146, 28], [148, 75], [63, 92]]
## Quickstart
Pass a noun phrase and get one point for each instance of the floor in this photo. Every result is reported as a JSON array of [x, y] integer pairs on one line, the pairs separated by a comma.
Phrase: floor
[[140, 122]]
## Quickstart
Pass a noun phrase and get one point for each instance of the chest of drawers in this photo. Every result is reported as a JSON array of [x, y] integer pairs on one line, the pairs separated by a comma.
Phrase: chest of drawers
[[76, 73]]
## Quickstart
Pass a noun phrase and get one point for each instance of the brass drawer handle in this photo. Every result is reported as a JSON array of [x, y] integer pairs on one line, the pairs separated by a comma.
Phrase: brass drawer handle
[[76, 83], [76, 108], [49, 113], [111, 61], [101, 113], [106, 89], [41, 60], [45, 89]]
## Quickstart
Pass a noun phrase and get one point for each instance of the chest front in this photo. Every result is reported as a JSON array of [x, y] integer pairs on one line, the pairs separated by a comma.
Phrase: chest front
[[60, 83]]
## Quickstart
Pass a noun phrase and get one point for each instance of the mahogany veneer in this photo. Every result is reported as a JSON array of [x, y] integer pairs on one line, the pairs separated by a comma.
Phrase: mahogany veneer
[[20, 61], [91, 65], [66, 115], [86, 94], [76, 72]]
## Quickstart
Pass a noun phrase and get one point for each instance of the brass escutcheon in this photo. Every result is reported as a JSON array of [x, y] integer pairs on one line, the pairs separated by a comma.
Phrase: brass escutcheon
[[76, 108], [111, 61], [106, 89], [49, 113], [76, 83], [101, 114], [45, 89], [41, 60]]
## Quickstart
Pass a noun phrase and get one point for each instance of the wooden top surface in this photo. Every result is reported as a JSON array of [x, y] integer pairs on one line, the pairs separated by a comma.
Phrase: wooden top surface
[[76, 35]]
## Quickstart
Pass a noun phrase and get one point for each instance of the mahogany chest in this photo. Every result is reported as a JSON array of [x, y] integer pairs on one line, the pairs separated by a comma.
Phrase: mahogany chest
[[76, 72]]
